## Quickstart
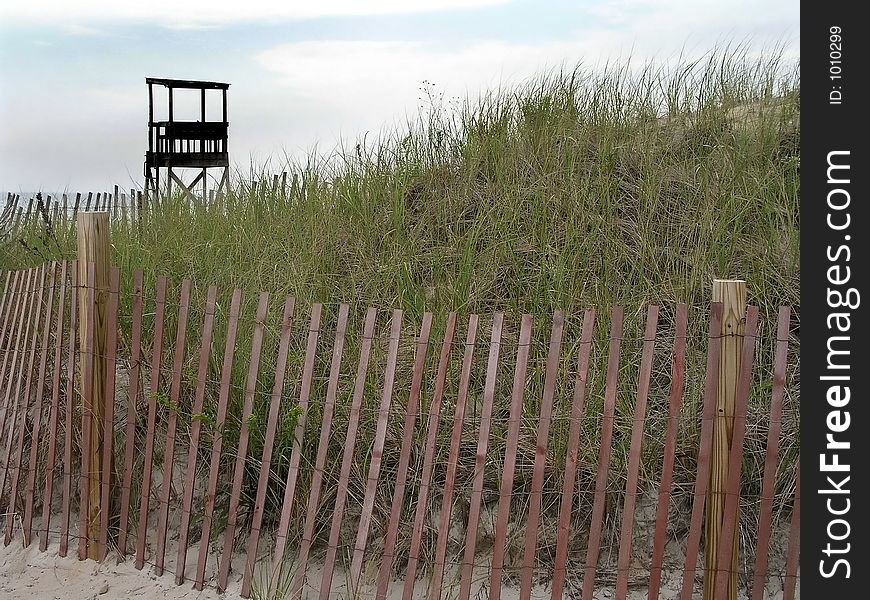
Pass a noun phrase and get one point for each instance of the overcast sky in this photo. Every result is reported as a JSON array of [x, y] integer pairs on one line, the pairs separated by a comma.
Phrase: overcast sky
[[304, 74]]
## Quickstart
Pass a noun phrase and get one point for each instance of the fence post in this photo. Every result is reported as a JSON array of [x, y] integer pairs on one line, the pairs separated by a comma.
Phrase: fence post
[[92, 230], [732, 294]]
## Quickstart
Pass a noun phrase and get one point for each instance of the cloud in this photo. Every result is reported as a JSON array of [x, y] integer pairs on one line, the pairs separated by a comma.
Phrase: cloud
[[84, 31], [214, 12]]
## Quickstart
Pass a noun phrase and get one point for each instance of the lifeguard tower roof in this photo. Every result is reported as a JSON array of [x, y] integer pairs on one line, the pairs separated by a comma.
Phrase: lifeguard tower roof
[[187, 83]]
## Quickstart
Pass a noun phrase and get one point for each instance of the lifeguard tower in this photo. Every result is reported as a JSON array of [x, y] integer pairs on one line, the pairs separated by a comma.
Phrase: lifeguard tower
[[186, 144]]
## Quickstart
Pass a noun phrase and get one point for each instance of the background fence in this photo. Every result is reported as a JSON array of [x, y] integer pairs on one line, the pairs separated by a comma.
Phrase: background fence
[[59, 213], [325, 450]]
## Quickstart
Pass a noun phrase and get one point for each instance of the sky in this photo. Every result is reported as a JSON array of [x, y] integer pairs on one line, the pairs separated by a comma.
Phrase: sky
[[308, 76]]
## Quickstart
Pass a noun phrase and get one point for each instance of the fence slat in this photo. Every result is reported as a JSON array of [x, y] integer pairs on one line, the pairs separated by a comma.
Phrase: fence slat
[[242, 448], [541, 442], [376, 457], [217, 441], [109, 414], [172, 424], [678, 382], [480, 457], [349, 446], [705, 448], [9, 336], [271, 429], [6, 302], [594, 544], [156, 359], [10, 406], [35, 436], [11, 295], [298, 436], [195, 429], [635, 448], [24, 409], [132, 410], [87, 411], [320, 460], [727, 541], [768, 487], [51, 459], [432, 427], [560, 569], [794, 540], [11, 332], [453, 460], [515, 417], [68, 409], [412, 412]]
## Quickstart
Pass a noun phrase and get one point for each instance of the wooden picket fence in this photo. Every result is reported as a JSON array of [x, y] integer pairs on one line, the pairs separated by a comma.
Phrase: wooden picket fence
[[60, 212], [179, 466]]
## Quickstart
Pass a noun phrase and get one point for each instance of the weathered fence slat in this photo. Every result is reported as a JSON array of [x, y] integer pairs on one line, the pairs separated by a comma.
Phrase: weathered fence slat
[[412, 412], [37, 412], [217, 439], [350, 440], [452, 460], [109, 414], [630, 501], [12, 342], [678, 381], [24, 409], [727, 541], [594, 544], [794, 540], [515, 416], [705, 448], [6, 303], [51, 459], [11, 295], [560, 569], [195, 429], [68, 409], [541, 442], [480, 457], [768, 487], [87, 411], [432, 427], [271, 429], [11, 406], [132, 409], [156, 360], [298, 436], [349, 445], [180, 352], [376, 458], [244, 434]]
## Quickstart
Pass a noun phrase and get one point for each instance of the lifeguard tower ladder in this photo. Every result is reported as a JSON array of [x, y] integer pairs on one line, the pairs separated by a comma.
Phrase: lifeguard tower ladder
[[174, 145]]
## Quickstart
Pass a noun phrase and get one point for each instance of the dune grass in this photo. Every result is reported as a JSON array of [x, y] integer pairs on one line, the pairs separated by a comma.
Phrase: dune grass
[[579, 189]]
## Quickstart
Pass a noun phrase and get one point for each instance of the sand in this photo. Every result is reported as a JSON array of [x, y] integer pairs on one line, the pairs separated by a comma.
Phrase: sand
[[28, 573]]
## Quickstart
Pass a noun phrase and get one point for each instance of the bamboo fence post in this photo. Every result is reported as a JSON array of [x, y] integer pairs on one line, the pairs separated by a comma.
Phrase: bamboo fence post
[[92, 230], [732, 294]]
